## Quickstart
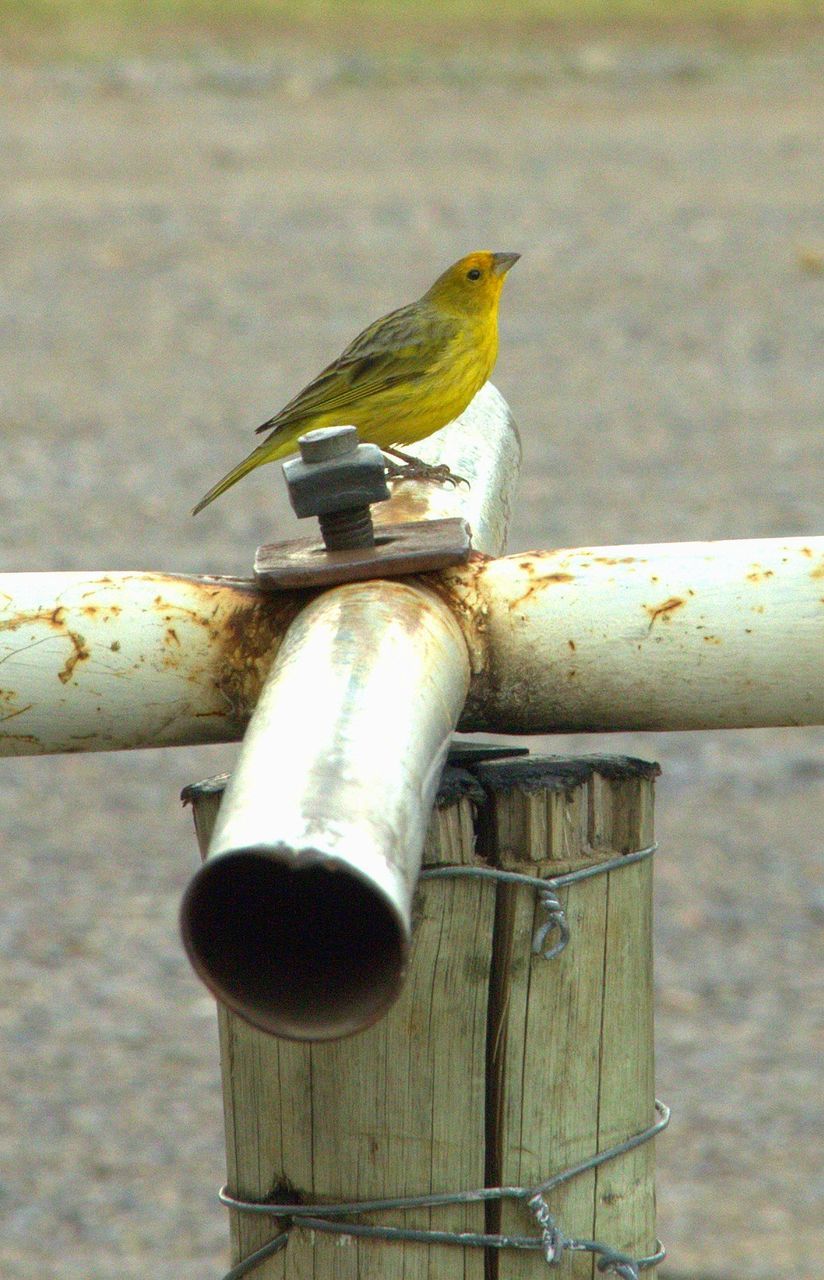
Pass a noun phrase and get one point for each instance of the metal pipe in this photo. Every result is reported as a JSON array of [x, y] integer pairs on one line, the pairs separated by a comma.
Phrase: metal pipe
[[691, 635], [110, 661], [704, 635], [300, 918]]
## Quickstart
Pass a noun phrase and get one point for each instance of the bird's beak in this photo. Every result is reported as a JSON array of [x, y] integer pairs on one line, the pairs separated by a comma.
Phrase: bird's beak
[[503, 261]]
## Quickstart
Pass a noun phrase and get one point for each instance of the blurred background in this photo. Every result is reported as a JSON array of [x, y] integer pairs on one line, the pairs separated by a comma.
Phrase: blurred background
[[200, 204]]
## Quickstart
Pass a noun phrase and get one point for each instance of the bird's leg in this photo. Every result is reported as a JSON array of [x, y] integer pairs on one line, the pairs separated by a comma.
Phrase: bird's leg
[[415, 469]]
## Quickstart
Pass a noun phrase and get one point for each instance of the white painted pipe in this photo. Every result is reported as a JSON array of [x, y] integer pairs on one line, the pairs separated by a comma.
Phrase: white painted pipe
[[107, 661], [691, 635], [673, 636]]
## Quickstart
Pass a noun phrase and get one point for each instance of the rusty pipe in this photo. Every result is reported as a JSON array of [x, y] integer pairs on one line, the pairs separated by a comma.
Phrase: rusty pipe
[[689, 635], [696, 635], [300, 917], [118, 660]]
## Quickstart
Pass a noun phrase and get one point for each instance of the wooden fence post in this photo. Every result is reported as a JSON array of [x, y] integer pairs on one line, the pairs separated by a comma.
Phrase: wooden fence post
[[572, 1037], [495, 1067]]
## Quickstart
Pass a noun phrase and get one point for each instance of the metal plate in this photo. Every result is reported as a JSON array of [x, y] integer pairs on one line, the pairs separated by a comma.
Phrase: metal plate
[[415, 547]]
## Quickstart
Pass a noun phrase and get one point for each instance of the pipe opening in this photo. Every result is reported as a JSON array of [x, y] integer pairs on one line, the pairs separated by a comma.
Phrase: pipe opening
[[309, 952]]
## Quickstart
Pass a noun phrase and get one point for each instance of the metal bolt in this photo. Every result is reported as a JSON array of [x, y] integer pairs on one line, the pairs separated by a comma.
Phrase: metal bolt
[[336, 479], [328, 442]]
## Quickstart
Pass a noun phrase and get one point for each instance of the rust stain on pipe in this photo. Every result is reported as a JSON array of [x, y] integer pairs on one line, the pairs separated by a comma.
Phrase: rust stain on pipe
[[249, 641], [537, 624], [49, 617], [665, 610], [245, 627], [79, 653], [93, 638], [545, 580], [243, 624]]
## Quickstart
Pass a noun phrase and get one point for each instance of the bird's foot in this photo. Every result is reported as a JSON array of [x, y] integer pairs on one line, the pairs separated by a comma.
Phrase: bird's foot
[[415, 469]]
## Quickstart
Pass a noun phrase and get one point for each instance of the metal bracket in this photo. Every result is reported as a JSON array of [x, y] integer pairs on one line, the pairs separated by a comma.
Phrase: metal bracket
[[416, 547]]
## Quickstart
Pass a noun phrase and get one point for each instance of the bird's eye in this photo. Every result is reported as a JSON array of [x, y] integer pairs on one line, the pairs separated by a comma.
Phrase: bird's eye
[[474, 274]]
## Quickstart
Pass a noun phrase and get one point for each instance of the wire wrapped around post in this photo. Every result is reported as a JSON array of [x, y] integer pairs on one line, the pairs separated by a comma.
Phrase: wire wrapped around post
[[552, 1243]]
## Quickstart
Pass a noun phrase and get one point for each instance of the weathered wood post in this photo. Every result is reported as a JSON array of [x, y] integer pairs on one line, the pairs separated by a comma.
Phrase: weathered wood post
[[572, 1038], [496, 1067]]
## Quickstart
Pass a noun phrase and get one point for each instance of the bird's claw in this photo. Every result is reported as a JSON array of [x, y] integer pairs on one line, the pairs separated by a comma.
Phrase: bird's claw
[[442, 475], [436, 474]]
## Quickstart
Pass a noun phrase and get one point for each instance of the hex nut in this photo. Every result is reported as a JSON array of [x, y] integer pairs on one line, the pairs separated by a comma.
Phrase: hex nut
[[354, 479]]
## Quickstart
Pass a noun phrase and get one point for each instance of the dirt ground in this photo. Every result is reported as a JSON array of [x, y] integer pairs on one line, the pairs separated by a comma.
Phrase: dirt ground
[[186, 240]]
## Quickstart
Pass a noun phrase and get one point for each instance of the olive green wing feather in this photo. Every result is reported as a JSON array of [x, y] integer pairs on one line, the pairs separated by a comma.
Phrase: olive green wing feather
[[401, 347]]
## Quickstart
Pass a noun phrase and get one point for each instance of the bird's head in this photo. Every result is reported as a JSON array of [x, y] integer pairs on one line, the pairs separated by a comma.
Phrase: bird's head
[[473, 284]]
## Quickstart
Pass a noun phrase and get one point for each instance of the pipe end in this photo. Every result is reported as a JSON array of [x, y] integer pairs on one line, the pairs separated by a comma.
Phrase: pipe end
[[306, 951]]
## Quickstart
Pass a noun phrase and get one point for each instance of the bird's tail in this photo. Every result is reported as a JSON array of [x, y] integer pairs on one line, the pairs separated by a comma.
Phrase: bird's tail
[[266, 452]]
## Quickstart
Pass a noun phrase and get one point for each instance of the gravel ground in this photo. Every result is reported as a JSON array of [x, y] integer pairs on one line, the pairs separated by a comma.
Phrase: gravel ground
[[183, 243]]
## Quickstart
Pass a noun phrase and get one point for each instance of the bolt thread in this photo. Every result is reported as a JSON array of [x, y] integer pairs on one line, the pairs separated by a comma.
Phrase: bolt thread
[[343, 530]]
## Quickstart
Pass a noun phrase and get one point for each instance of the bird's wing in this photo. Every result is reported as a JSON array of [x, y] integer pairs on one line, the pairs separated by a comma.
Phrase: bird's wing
[[400, 347]]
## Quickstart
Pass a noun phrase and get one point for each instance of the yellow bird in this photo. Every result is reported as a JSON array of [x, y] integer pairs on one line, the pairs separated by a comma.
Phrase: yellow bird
[[405, 376]]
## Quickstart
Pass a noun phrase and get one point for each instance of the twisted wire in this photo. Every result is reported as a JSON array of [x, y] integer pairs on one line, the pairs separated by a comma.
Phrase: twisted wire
[[552, 1241], [546, 889]]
